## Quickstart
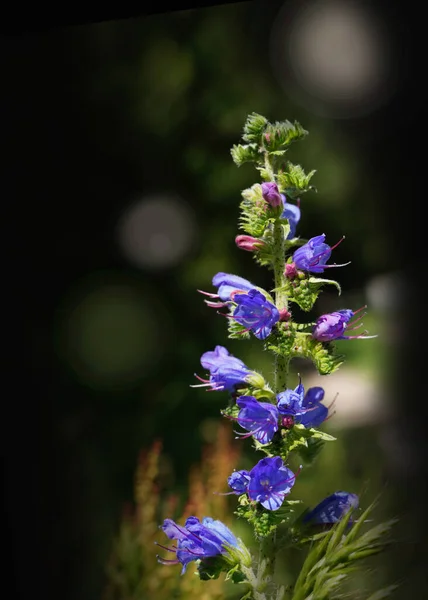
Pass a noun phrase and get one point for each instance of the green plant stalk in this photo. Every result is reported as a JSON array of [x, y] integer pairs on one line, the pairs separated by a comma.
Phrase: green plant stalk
[[281, 362], [268, 546]]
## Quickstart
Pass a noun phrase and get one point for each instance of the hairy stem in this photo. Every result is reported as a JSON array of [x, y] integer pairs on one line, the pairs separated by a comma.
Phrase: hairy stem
[[281, 362]]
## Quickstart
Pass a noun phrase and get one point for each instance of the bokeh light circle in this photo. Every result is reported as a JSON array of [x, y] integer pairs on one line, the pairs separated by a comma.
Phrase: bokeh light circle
[[333, 57], [157, 231]]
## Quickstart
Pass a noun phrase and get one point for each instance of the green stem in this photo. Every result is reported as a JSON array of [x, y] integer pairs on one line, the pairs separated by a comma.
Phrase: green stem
[[281, 362], [268, 545]]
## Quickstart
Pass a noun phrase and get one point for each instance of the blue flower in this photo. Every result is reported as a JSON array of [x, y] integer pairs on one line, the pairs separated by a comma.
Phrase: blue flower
[[333, 325], [227, 285], [259, 418], [226, 371], [255, 313], [304, 409], [315, 412], [263, 419], [239, 481], [292, 213], [290, 402], [197, 540], [313, 255], [269, 482], [332, 508]]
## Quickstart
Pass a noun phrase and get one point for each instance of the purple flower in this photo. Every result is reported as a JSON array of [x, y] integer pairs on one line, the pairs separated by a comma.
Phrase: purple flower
[[197, 540], [313, 255], [332, 508], [315, 412], [263, 419], [271, 194], [255, 313], [333, 325], [227, 285], [259, 418], [292, 213], [239, 481], [227, 372], [270, 482], [304, 409]]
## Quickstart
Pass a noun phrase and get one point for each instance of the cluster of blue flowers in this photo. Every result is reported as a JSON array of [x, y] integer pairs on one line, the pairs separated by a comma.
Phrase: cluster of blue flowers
[[270, 481]]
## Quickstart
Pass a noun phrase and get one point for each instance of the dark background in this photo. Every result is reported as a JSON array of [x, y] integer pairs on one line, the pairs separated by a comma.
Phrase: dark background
[[81, 139]]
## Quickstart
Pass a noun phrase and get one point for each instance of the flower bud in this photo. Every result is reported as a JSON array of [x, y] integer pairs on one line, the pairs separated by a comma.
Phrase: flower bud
[[249, 243], [271, 194]]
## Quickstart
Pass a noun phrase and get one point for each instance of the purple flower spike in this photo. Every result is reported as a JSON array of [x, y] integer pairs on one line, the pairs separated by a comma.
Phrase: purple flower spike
[[333, 325], [226, 371], [270, 482], [292, 213], [197, 540], [259, 418], [255, 313], [271, 194], [239, 481], [313, 255], [332, 508]]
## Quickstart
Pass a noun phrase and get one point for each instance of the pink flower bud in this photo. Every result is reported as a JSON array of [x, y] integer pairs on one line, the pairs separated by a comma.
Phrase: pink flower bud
[[249, 243], [284, 315], [290, 271]]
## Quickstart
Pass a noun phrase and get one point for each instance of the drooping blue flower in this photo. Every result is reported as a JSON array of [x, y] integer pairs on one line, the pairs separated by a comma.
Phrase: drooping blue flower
[[259, 418], [315, 412], [197, 540], [332, 508], [227, 372], [305, 409], [255, 313], [270, 482], [313, 255], [333, 325], [239, 481], [292, 213], [228, 285]]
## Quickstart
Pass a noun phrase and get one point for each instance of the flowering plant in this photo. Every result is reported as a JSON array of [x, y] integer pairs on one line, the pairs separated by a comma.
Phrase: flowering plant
[[280, 420]]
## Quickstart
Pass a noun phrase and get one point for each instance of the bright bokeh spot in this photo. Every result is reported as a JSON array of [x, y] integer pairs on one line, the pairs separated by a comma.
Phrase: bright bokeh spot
[[333, 56], [156, 232]]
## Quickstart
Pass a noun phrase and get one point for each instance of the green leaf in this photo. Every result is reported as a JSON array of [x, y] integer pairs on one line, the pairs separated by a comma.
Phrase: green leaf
[[254, 218], [236, 330], [294, 181], [242, 154], [322, 435], [315, 281], [383, 593], [332, 559], [311, 452], [254, 127], [281, 134]]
